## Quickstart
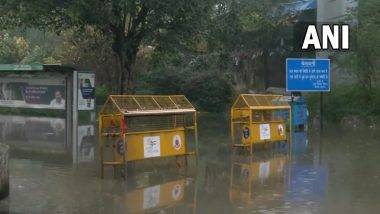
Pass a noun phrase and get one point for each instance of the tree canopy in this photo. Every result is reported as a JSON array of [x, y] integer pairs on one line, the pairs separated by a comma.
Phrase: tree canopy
[[128, 23]]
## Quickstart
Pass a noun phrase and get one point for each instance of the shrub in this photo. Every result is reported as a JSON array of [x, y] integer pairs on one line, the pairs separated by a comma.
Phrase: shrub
[[101, 94], [210, 92], [347, 101]]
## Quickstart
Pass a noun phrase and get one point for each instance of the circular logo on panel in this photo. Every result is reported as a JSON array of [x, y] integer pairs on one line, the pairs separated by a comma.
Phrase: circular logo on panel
[[245, 174], [280, 129], [177, 144], [120, 147], [246, 132], [176, 192]]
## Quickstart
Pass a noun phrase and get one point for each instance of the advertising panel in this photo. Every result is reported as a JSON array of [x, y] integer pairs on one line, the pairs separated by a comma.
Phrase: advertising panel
[[44, 93], [86, 91]]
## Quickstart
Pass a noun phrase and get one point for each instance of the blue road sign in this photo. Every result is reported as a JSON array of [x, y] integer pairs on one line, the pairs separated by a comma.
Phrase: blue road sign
[[308, 75]]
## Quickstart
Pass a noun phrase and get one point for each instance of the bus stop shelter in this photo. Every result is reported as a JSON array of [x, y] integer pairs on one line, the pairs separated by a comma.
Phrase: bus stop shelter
[[53, 87]]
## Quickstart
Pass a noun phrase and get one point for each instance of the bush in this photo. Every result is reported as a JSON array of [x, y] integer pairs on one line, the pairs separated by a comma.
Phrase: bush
[[196, 76], [163, 82], [101, 94], [347, 101], [210, 92]]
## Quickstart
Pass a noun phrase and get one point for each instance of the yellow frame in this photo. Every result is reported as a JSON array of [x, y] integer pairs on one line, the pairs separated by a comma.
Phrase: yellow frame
[[240, 114], [132, 140]]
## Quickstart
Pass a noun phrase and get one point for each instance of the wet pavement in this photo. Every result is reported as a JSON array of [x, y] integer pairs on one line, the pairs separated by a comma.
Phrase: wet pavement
[[334, 172]]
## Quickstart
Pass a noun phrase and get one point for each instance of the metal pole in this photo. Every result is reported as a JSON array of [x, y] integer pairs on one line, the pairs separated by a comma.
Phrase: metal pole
[[250, 130], [321, 110], [101, 146], [290, 143], [196, 136], [75, 116], [232, 129]]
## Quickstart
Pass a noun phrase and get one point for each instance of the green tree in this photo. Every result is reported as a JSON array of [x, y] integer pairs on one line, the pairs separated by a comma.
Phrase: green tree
[[249, 32], [363, 59], [368, 41], [12, 49], [128, 23], [20, 47]]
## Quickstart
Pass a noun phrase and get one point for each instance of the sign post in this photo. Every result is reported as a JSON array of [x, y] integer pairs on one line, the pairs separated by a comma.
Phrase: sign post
[[308, 75]]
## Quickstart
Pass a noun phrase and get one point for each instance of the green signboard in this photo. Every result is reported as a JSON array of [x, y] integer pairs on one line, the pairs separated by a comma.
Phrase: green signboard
[[20, 67]]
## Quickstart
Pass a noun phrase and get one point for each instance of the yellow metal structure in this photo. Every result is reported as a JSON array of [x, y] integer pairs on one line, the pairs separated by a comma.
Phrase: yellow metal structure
[[259, 118], [137, 127]]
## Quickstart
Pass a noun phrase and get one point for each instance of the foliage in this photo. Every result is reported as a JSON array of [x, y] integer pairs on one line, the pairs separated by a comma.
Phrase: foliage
[[18, 48], [210, 92], [90, 50], [362, 62], [206, 49], [13, 49], [346, 101], [250, 34], [127, 23], [195, 76], [101, 94], [363, 59]]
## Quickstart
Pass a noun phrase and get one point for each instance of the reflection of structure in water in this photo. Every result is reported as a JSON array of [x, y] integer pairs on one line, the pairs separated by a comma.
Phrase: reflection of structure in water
[[166, 194], [259, 180], [86, 143], [33, 133], [45, 135], [299, 142], [309, 176]]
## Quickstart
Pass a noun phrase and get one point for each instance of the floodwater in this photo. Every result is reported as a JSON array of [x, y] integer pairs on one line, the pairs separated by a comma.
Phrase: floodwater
[[334, 172]]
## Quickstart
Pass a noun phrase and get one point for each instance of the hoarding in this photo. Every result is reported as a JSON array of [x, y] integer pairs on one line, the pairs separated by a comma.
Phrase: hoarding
[[44, 93]]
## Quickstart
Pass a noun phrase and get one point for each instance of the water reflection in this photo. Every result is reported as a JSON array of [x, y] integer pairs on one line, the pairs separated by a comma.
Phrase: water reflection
[[259, 180], [158, 192], [86, 143], [309, 178], [35, 136], [334, 172], [33, 133]]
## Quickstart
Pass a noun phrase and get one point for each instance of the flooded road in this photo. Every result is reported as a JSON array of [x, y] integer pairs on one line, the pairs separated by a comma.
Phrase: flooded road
[[337, 172]]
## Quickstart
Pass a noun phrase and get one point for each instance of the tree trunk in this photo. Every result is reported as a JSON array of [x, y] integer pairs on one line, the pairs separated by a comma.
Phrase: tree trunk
[[128, 67], [266, 68], [121, 80], [125, 81]]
